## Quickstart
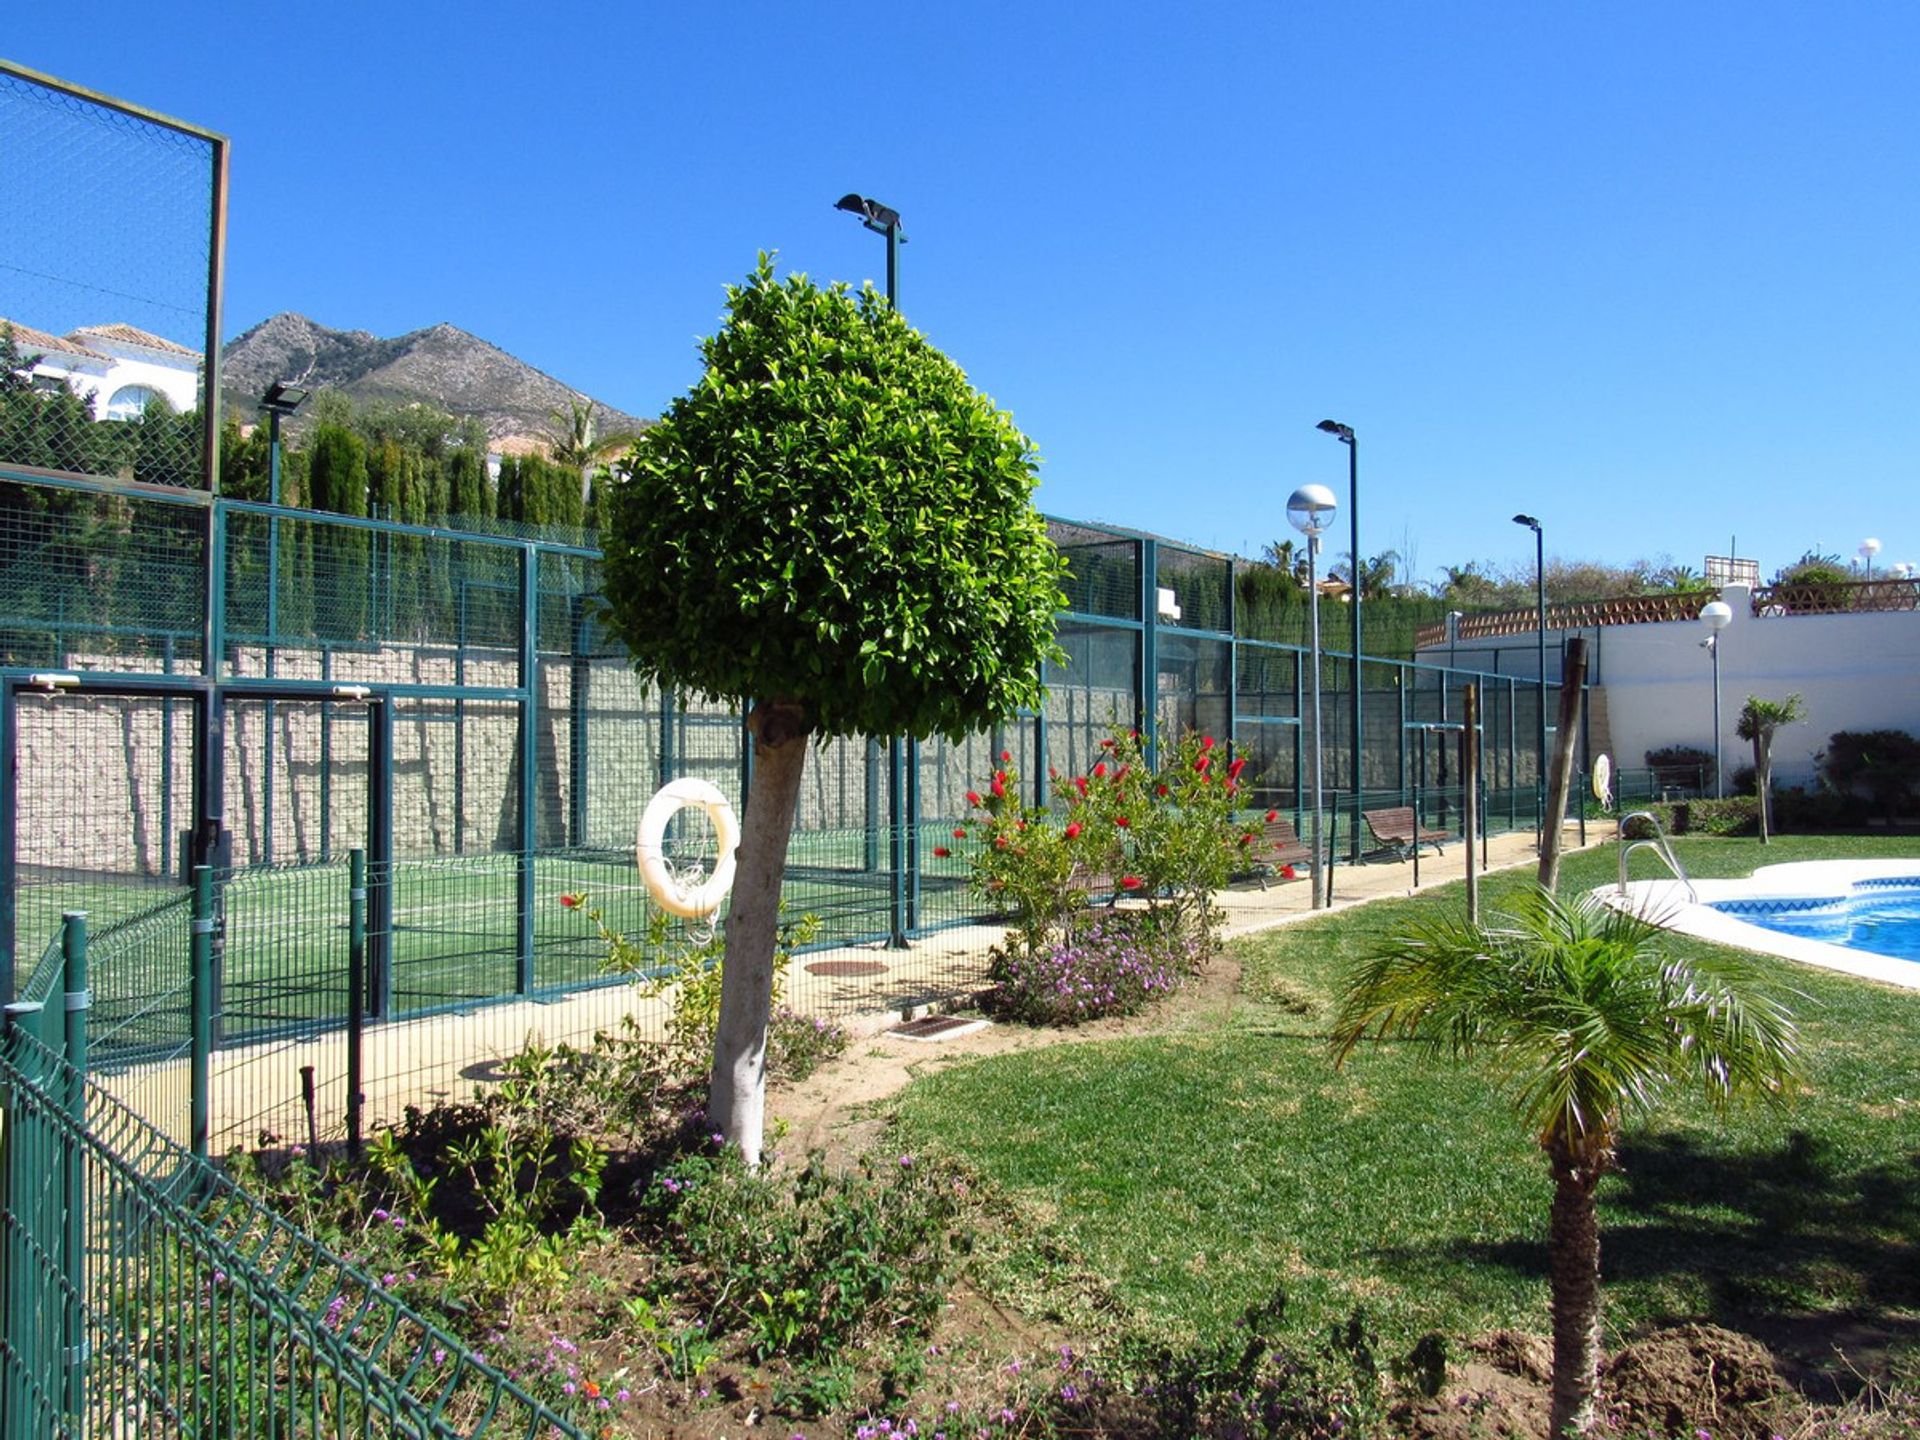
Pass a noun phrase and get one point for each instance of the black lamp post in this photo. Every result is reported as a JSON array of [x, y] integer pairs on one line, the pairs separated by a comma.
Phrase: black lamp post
[[1344, 434], [885, 220], [281, 400], [882, 220], [1540, 587]]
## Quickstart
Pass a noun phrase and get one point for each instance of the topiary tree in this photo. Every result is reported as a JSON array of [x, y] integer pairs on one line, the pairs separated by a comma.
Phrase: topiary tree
[[1759, 719], [836, 526]]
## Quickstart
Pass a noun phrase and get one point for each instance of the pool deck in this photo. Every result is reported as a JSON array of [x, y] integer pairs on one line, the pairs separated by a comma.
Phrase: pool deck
[[1667, 904]]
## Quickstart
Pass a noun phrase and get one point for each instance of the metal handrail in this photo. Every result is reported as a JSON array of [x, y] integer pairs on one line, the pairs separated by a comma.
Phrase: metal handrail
[[1660, 846]]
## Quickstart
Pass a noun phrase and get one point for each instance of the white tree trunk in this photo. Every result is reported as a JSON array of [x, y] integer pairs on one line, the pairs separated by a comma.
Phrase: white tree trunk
[[737, 1093]]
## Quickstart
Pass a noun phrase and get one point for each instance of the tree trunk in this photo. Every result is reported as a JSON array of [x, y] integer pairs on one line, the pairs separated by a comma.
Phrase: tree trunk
[[1763, 786], [1573, 1245], [737, 1091], [1573, 675]]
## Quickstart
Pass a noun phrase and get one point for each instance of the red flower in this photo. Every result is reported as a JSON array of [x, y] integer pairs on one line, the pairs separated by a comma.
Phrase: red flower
[[1130, 882], [1287, 872], [1107, 744], [1272, 815], [1100, 770], [1121, 773], [1006, 757], [999, 786], [959, 834], [1122, 821], [1200, 765], [973, 797], [1073, 829], [1160, 790], [999, 842], [571, 901], [1080, 783], [1231, 787], [1019, 824], [1236, 767], [1052, 773], [1206, 742], [942, 851], [1247, 839]]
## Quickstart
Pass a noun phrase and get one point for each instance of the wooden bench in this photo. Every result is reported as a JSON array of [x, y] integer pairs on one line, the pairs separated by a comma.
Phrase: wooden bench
[[1275, 846], [1396, 829]]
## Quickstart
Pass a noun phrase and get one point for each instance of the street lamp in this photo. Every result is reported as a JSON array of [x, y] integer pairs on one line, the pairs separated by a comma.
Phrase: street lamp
[[283, 397], [1869, 548], [1310, 510], [1540, 591], [1344, 434], [882, 220], [1716, 615]]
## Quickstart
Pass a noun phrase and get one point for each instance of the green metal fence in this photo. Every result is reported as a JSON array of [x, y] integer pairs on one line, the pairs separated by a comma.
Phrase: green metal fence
[[144, 1294]]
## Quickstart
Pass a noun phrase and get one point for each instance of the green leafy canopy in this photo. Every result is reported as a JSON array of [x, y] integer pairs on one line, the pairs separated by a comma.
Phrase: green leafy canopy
[[833, 517]]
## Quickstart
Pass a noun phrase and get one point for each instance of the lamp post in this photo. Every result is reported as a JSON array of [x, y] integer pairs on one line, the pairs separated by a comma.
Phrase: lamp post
[[1540, 595], [1344, 434], [885, 220], [882, 220], [1869, 548], [1310, 510], [281, 400], [1716, 615]]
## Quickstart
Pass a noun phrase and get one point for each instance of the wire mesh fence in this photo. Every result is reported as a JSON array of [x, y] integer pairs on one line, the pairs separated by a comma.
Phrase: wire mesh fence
[[148, 1295], [108, 272]]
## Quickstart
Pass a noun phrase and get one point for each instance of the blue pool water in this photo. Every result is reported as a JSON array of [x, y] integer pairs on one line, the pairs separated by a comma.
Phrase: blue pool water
[[1879, 916]]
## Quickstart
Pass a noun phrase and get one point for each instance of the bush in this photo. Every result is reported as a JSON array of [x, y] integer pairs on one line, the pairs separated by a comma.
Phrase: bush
[[1736, 815], [1883, 766], [1113, 963]]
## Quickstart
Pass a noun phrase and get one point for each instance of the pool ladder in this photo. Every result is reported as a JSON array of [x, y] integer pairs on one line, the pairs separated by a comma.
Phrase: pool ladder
[[1657, 843]]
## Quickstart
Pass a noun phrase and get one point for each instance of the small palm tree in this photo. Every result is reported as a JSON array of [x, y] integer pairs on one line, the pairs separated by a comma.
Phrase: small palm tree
[[1587, 1021], [1759, 719], [576, 442]]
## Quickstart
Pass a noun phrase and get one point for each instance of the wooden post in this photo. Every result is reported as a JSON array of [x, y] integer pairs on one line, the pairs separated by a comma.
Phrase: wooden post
[[1572, 680], [1470, 793]]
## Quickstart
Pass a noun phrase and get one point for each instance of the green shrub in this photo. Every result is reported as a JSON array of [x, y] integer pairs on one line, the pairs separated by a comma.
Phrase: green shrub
[[1735, 815], [1881, 766]]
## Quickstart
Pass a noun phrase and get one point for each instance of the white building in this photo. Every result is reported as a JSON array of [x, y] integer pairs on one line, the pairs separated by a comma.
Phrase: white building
[[117, 369]]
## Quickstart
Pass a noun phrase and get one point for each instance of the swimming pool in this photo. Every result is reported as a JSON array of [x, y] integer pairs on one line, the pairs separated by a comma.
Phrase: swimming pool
[[1859, 916], [1881, 916]]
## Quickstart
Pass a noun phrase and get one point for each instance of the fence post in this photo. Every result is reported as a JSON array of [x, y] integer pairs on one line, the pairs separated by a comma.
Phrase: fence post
[[23, 1181], [73, 1241], [200, 1009], [356, 993]]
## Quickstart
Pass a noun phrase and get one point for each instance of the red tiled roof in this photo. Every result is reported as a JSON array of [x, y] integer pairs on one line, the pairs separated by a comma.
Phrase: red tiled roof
[[129, 335], [32, 341]]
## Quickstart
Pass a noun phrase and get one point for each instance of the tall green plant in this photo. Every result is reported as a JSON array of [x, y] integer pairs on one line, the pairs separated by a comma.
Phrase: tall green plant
[[1759, 721], [1588, 1022], [836, 525]]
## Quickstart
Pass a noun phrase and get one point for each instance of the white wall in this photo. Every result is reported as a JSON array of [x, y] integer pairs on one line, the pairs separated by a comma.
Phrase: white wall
[[1855, 672]]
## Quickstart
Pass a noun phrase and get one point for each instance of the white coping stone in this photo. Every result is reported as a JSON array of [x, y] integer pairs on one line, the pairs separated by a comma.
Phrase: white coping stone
[[1665, 903]]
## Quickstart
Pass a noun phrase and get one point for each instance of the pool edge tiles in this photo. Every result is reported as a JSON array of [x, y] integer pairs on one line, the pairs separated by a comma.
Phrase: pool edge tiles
[[1666, 903]]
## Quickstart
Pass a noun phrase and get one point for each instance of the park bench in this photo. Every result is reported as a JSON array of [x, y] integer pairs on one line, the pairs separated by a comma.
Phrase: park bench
[[1397, 830], [1274, 847]]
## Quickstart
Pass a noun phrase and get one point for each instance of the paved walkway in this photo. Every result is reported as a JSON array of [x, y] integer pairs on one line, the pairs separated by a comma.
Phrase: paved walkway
[[259, 1091]]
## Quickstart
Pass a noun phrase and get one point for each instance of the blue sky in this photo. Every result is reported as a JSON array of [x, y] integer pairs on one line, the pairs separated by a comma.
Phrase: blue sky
[[1645, 270]]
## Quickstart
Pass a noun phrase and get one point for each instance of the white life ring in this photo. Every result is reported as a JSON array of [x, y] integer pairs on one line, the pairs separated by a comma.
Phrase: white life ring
[[666, 889], [1603, 780]]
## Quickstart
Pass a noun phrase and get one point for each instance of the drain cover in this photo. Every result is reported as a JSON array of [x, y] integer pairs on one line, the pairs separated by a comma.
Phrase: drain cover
[[937, 1027], [846, 969]]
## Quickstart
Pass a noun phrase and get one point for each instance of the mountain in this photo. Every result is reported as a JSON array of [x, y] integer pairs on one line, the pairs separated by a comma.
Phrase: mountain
[[443, 366]]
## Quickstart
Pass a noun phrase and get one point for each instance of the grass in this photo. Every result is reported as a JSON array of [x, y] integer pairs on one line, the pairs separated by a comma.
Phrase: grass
[[1198, 1172]]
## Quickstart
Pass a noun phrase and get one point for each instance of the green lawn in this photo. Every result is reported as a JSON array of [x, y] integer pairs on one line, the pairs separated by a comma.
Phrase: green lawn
[[1200, 1170]]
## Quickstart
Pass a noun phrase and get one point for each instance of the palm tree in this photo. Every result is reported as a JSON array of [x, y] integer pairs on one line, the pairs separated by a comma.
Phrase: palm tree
[[1759, 719], [1587, 1021], [577, 444]]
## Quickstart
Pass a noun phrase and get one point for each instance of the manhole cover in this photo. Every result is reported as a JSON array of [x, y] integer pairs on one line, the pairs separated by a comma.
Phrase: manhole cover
[[846, 969], [937, 1027]]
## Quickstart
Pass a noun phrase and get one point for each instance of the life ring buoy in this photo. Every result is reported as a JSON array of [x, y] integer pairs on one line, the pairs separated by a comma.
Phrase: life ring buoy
[[1603, 780], [696, 902]]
